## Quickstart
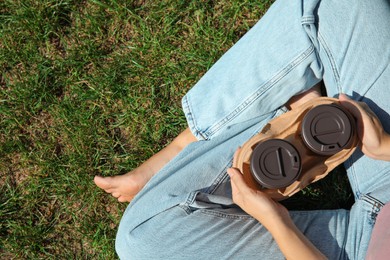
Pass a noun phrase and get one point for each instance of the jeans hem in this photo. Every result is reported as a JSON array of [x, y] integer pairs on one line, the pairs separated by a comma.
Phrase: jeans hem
[[261, 90]]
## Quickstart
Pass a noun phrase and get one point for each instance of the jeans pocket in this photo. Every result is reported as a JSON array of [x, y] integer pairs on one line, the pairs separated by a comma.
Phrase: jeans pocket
[[214, 205]]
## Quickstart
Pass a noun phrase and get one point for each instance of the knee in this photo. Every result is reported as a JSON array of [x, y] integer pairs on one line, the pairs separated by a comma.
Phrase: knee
[[156, 238]]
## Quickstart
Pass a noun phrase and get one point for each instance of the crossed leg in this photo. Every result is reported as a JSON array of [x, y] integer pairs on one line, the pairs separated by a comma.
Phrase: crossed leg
[[125, 187]]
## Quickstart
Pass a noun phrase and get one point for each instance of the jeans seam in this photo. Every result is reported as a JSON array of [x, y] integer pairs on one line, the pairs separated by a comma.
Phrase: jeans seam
[[222, 175], [185, 208], [190, 199], [373, 201], [190, 119], [335, 70], [308, 19], [261, 90], [224, 215], [376, 205], [352, 176]]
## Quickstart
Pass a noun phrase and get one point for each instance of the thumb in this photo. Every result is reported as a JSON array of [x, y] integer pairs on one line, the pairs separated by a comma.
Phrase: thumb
[[360, 110], [237, 181], [351, 105]]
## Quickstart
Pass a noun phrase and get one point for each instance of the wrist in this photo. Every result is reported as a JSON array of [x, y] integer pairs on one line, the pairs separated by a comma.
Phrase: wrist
[[384, 150], [277, 224], [292, 242]]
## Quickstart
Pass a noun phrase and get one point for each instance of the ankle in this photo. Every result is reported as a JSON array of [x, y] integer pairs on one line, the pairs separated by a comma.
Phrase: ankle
[[182, 140]]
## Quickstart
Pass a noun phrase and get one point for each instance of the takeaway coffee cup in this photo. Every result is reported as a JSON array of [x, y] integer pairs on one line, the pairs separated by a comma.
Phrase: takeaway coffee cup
[[298, 148], [327, 129], [275, 163]]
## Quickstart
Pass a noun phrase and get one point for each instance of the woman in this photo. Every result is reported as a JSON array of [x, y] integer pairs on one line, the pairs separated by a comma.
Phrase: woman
[[188, 209]]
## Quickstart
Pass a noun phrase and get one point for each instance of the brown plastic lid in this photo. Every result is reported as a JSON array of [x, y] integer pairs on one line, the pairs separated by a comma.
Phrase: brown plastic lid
[[275, 163], [327, 129]]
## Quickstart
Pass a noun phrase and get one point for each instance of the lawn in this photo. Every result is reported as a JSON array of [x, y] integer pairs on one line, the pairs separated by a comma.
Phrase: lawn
[[94, 88]]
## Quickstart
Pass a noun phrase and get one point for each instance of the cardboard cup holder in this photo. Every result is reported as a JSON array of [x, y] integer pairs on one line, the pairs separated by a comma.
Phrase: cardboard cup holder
[[298, 148]]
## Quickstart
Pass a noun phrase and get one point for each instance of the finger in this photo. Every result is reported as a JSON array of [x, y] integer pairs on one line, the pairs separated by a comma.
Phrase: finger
[[355, 107], [235, 156], [360, 110], [367, 109], [352, 106], [237, 180]]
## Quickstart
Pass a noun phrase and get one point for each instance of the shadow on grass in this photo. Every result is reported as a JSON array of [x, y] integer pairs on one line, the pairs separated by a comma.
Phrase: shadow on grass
[[332, 192]]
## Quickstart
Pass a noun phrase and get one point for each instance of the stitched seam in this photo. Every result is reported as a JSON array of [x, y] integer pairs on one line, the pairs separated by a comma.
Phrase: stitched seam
[[335, 70], [376, 206], [308, 19], [222, 175], [219, 179], [186, 205], [353, 176], [344, 245], [224, 215], [262, 89], [191, 198], [186, 209], [217, 182], [190, 118], [373, 201]]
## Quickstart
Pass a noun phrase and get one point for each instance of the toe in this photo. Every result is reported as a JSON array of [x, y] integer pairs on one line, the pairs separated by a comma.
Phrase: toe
[[116, 194], [123, 199], [102, 183]]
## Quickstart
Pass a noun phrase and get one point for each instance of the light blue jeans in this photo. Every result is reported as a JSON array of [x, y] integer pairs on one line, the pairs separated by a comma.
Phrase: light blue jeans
[[185, 211]]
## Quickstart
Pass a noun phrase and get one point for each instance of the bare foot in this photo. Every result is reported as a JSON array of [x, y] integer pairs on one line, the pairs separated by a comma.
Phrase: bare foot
[[123, 187]]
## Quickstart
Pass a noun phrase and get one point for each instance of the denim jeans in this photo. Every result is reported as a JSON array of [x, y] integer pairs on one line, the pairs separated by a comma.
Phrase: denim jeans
[[185, 211]]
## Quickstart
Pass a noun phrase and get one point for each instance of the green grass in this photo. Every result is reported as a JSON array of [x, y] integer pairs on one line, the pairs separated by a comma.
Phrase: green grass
[[93, 88]]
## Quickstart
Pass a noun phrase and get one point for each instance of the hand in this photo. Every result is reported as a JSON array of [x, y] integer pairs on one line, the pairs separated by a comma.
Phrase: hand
[[374, 140], [273, 216], [256, 203]]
